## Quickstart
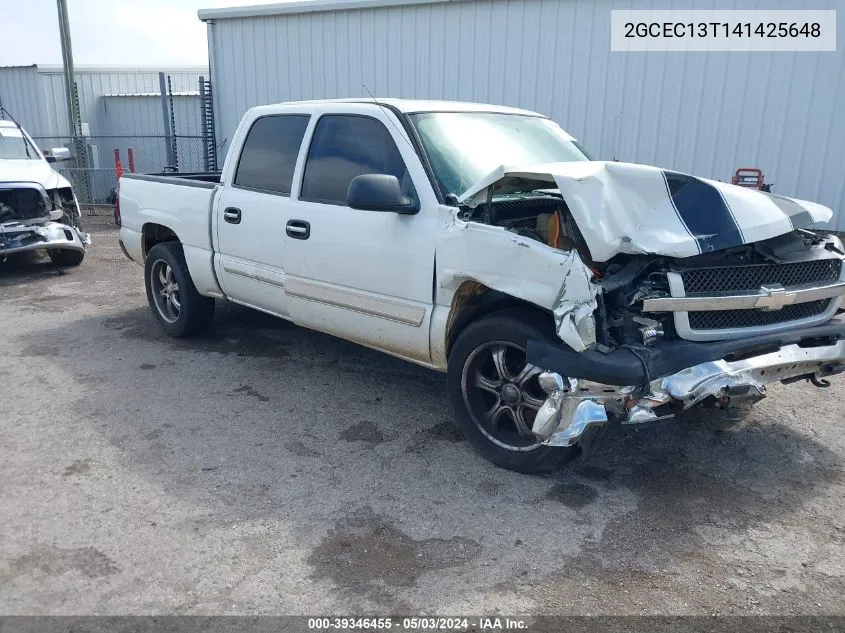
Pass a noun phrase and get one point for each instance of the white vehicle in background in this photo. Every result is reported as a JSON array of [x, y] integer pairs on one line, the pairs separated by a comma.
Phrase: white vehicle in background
[[38, 209], [555, 291]]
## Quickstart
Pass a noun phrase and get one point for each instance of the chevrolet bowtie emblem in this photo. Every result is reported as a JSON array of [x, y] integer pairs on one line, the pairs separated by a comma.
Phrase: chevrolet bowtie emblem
[[775, 298]]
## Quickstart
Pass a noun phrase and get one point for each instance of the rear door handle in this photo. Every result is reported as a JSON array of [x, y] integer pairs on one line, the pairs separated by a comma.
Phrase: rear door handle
[[232, 215], [298, 229]]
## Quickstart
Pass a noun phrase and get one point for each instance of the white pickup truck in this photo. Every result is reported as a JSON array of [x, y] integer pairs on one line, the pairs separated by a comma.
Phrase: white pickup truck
[[556, 292]]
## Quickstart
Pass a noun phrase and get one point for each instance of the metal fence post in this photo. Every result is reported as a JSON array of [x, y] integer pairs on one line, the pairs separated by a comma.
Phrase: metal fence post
[[175, 149], [206, 158], [207, 120], [165, 119]]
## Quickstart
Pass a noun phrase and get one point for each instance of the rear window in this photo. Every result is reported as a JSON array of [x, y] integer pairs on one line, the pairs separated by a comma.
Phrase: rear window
[[269, 154]]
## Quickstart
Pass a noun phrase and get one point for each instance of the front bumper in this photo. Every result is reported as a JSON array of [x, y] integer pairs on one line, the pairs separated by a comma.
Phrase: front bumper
[[734, 377], [17, 238], [623, 366]]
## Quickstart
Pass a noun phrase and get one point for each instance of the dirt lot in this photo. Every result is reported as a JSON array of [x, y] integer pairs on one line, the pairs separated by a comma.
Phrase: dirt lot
[[270, 469]]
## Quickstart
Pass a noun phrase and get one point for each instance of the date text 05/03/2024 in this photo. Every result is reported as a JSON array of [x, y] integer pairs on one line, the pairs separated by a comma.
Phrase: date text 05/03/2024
[[417, 624]]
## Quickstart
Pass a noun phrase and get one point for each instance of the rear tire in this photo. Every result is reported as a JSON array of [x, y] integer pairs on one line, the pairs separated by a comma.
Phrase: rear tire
[[174, 300], [66, 257], [495, 394]]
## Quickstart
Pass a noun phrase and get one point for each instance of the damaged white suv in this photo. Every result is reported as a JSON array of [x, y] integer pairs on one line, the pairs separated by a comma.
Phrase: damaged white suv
[[38, 209], [557, 292]]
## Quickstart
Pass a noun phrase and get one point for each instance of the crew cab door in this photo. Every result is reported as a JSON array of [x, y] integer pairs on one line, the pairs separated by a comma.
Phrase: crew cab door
[[252, 207], [362, 275]]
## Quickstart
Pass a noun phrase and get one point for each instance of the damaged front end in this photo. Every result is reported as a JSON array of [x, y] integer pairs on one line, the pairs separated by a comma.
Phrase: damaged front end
[[33, 218], [667, 291], [711, 330], [574, 405]]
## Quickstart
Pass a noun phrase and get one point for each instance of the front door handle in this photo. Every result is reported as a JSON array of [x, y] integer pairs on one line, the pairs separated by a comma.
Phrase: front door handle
[[232, 215], [298, 229]]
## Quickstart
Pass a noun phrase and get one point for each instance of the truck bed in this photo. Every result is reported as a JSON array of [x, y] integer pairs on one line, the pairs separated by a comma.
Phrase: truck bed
[[177, 203], [206, 179]]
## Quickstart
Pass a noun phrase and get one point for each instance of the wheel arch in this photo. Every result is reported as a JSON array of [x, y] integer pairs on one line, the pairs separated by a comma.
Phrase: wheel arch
[[473, 300], [153, 233]]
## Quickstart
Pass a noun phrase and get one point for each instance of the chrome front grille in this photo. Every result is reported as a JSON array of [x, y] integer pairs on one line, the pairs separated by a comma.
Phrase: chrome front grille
[[732, 319], [725, 302], [752, 278]]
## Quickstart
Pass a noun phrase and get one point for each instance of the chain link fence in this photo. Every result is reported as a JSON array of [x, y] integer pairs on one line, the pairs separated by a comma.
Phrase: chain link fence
[[92, 168]]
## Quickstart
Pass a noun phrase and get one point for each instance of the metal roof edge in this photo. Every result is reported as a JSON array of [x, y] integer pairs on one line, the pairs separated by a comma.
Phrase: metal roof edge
[[183, 93], [304, 6], [83, 68]]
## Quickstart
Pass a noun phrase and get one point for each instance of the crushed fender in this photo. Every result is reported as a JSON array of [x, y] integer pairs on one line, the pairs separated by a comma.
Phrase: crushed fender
[[526, 269]]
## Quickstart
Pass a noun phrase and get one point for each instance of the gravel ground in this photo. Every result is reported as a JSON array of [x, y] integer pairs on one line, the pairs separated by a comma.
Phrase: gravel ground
[[271, 469]]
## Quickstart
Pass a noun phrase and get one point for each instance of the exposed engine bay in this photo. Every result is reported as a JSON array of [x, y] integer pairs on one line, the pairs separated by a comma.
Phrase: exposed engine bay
[[34, 218], [542, 217], [29, 203], [630, 284]]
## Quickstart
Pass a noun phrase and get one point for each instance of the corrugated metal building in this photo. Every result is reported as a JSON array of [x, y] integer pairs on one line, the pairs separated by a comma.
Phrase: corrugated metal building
[[135, 120], [703, 113], [120, 109], [139, 114], [35, 95]]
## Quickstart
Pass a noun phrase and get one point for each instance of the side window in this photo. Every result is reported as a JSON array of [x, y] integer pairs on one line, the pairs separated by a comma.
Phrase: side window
[[269, 154], [343, 147]]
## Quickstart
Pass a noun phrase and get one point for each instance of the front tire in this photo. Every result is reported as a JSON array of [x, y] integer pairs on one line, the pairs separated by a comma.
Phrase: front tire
[[174, 300], [495, 393]]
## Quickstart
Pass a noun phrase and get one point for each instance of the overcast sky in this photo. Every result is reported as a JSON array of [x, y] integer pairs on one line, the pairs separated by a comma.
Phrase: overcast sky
[[121, 32]]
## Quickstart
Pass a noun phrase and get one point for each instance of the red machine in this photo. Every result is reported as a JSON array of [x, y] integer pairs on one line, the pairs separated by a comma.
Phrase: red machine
[[751, 177]]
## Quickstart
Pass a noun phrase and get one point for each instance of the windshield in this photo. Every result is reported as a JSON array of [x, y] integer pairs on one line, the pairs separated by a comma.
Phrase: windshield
[[13, 145], [464, 146]]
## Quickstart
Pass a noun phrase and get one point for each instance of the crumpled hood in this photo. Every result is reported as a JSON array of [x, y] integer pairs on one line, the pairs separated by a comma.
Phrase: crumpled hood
[[36, 170], [631, 208]]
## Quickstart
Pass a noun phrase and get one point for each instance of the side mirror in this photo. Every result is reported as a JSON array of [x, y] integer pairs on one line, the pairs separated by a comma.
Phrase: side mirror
[[379, 192], [56, 154]]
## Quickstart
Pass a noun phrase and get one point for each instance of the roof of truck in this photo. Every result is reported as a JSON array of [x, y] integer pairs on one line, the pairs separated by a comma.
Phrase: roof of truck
[[413, 105]]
